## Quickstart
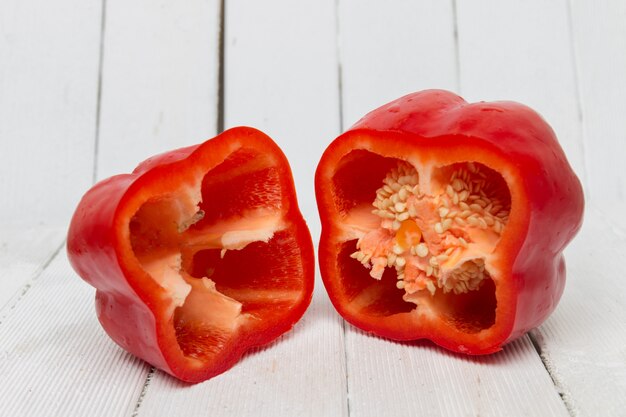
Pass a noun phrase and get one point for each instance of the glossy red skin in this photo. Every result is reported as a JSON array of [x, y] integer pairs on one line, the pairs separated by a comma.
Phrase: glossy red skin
[[129, 303], [506, 136]]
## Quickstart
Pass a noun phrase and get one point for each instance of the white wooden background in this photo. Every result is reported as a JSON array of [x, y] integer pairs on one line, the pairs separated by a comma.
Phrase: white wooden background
[[88, 88]]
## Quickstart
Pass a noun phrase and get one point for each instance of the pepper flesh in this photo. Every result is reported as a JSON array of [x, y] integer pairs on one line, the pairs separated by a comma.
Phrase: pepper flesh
[[446, 220], [197, 256]]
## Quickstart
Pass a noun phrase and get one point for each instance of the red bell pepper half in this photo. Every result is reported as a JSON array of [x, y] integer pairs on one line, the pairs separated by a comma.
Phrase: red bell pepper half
[[446, 220], [197, 256]]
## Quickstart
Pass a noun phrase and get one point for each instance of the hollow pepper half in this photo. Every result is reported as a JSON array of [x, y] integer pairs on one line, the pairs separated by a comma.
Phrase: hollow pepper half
[[446, 220], [198, 255]]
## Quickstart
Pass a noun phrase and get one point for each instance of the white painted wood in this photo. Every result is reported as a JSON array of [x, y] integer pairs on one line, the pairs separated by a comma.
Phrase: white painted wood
[[24, 254], [522, 51], [583, 341], [56, 360], [389, 50], [300, 374], [159, 83], [281, 77], [615, 214], [420, 379], [159, 91], [48, 78], [599, 36]]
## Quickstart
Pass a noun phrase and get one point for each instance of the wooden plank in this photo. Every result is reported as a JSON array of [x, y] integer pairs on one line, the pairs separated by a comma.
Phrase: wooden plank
[[583, 342], [387, 52], [48, 95], [423, 380], [48, 83], [24, 254], [599, 36], [55, 358], [522, 51], [52, 344], [281, 77], [159, 84]]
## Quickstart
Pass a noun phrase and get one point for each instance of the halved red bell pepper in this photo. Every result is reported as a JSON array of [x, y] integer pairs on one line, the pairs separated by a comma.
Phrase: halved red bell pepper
[[446, 220], [197, 256]]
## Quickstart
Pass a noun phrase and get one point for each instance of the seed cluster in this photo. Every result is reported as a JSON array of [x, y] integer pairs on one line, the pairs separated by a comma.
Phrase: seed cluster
[[467, 201], [391, 198]]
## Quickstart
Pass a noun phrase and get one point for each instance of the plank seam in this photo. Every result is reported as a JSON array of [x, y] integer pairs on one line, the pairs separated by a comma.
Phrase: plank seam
[[345, 363], [339, 66], [143, 392], [10, 306], [457, 56], [558, 385], [99, 93], [341, 126], [577, 93], [221, 69]]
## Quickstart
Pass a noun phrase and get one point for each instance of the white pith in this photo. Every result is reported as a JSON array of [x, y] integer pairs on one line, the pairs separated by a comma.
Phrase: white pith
[[164, 265]]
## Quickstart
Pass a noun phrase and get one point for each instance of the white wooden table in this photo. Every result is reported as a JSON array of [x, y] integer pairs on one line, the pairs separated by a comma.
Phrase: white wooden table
[[88, 88]]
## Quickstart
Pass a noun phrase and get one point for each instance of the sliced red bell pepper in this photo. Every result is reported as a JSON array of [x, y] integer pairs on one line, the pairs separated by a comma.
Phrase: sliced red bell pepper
[[446, 220], [198, 255]]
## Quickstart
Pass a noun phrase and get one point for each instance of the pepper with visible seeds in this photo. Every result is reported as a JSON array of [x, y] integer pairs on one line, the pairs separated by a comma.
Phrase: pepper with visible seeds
[[446, 220]]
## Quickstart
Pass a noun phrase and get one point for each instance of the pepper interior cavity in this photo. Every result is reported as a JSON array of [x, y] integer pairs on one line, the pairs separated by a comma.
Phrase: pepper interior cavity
[[214, 251], [421, 235]]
